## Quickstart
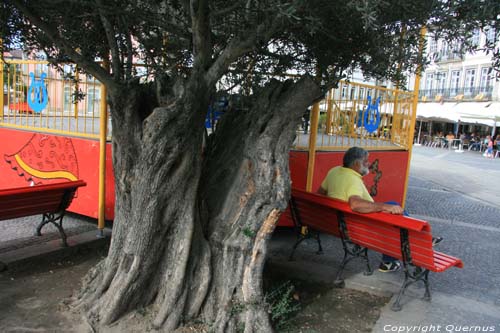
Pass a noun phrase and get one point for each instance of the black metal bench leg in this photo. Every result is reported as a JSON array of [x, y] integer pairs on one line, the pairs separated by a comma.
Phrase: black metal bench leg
[[300, 240], [320, 249], [369, 270], [61, 231], [51, 218], [339, 281], [45, 220], [427, 295], [397, 304]]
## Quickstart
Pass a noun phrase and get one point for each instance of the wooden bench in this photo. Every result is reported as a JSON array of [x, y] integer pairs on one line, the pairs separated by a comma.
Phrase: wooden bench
[[405, 238], [49, 200]]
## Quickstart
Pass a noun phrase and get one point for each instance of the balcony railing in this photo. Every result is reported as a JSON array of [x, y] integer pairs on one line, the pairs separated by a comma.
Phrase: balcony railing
[[461, 93]]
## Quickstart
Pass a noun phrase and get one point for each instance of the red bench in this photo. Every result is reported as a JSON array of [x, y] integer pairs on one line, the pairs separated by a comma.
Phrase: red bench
[[50, 200], [405, 238]]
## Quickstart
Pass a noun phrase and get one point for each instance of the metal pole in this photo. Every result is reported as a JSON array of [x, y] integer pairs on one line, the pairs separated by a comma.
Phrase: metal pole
[[103, 119], [418, 136], [329, 112], [75, 107], [418, 75], [312, 145]]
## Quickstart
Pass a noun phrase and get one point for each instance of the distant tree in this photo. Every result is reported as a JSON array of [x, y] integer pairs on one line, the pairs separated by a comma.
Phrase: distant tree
[[193, 215]]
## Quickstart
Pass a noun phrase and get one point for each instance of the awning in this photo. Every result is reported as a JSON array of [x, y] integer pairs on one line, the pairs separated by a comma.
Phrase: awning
[[484, 113], [437, 112]]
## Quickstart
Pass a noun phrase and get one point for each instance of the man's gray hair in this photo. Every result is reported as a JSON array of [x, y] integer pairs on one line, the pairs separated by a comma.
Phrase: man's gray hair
[[352, 155]]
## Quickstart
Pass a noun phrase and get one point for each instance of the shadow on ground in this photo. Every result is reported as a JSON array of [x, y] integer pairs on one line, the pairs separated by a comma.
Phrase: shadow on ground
[[36, 293]]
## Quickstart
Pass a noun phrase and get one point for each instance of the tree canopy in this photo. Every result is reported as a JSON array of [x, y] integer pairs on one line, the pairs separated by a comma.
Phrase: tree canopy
[[241, 39]]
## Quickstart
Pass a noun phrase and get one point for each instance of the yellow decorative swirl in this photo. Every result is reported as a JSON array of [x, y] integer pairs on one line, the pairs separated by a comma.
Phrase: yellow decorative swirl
[[44, 174]]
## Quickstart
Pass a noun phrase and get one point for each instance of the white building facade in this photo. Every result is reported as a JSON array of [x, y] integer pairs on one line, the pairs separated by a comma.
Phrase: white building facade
[[458, 89]]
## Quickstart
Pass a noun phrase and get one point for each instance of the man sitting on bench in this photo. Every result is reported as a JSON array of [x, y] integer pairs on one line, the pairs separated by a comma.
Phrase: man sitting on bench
[[345, 183]]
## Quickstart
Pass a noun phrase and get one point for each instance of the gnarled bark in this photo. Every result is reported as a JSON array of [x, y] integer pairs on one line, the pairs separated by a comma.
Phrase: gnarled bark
[[190, 234]]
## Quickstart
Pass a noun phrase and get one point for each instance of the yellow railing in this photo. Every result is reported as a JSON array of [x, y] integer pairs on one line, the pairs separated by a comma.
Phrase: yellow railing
[[63, 113], [343, 119]]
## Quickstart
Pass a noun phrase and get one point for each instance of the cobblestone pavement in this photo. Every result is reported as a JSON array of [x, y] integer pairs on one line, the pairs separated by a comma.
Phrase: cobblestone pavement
[[427, 198], [18, 241], [467, 173], [469, 223]]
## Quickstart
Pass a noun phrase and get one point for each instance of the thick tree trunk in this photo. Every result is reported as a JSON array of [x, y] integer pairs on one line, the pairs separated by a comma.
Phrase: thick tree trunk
[[245, 187], [189, 239]]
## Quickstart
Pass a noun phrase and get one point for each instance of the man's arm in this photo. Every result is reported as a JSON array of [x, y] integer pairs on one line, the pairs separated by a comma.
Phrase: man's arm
[[361, 205]]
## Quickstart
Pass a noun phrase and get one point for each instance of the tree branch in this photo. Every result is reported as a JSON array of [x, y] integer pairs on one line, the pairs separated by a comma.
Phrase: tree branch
[[239, 46], [92, 67], [113, 46], [202, 41], [229, 9], [130, 52]]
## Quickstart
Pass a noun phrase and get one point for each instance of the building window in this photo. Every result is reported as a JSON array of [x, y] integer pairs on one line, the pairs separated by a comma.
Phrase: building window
[[490, 35], [470, 79], [455, 82], [444, 50], [93, 100], [432, 45], [41, 68], [67, 100], [441, 82], [67, 72], [455, 51], [475, 38], [429, 83], [486, 79]]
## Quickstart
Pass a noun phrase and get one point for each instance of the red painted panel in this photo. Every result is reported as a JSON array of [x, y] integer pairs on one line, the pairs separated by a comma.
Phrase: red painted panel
[[298, 168], [39, 158], [298, 176], [391, 168], [110, 184]]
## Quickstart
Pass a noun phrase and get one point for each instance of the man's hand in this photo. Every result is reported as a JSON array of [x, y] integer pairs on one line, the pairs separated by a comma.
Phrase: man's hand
[[392, 209], [322, 191]]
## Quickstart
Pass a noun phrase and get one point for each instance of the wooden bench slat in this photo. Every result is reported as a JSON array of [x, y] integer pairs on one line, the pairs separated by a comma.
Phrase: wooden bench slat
[[377, 245], [447, 261], [22, 208], [25, 199], [47, 207], [49, 202], [42, 188]]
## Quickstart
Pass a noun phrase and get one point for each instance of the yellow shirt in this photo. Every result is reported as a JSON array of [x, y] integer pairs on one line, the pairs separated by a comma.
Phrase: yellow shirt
[[342, 183]]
